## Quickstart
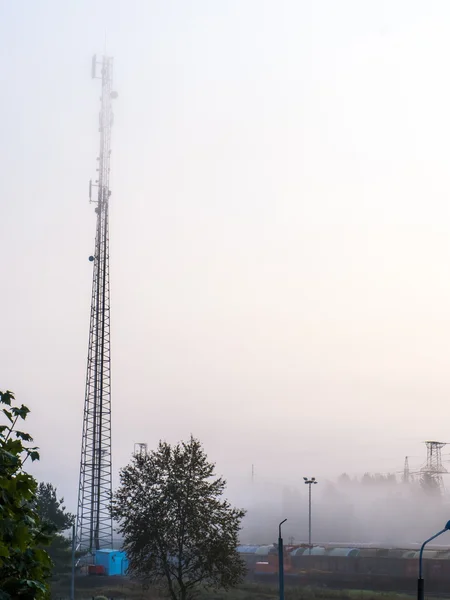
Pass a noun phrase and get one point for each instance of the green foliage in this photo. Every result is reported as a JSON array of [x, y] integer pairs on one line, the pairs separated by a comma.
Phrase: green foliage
[[177, 528], [132, 590], [53, 512], [52, 509], [251, 591], [24, 566]]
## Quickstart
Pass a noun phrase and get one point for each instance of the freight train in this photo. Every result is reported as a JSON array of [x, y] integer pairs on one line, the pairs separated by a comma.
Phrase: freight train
[[368, 567]]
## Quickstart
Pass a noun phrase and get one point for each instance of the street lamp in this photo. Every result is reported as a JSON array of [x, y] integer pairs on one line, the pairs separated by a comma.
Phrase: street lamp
[[310, 482], [420, 581], [72, 579], [281, 561]]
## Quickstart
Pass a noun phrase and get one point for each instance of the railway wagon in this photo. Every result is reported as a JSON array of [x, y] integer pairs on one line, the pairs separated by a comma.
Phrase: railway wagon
[[378, 568], [249, 556]]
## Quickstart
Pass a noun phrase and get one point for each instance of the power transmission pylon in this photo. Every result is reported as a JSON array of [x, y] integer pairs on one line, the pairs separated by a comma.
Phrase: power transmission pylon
[[406, 473], [433, 470], [94, 523]]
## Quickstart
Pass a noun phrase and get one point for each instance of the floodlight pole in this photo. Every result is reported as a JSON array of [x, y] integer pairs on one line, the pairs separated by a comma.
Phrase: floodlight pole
[[420, 581], [309, 482], [281, 561]]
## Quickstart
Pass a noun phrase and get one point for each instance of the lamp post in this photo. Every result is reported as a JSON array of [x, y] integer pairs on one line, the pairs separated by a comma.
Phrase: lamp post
[[309, 482], [72, 579], [281, 561], [420, 581]]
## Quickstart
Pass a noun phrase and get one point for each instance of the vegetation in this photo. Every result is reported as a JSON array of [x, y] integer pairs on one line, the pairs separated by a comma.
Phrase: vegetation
[[178, 531], [53, 512], [24, 566], [253, 591], [128, 590], [368, 479]]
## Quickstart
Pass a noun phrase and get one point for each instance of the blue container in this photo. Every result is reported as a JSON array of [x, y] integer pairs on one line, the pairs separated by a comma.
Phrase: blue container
[[115, 562]]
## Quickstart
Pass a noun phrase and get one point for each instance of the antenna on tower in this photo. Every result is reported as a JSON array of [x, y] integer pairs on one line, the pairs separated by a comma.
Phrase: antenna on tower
[[94, 528], [253, 473], [432, 472]]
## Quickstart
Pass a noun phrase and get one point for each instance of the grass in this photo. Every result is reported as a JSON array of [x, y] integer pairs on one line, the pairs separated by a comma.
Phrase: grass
[[88, 588], [262, 592]]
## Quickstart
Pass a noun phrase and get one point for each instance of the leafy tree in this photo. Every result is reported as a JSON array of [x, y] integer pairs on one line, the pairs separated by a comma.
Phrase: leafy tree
[[24, 566], [52, 509], [53, 512], [367, 479], [177, 529], [378, 478], [344, 479]]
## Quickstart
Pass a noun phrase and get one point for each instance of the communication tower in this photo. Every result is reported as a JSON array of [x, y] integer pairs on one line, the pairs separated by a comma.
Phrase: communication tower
[[94, 522]]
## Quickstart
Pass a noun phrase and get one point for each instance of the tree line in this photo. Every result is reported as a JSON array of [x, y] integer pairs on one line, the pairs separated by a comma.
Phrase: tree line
[[424, 481]]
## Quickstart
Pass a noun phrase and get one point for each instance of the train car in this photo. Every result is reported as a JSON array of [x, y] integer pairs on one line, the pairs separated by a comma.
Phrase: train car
[[266, 565], [373, 567], [249, 556]]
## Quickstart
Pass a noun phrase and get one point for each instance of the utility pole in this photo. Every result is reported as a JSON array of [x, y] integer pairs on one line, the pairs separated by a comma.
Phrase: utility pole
[[309, 482], [72, 576], [281, 562], [94, 522]]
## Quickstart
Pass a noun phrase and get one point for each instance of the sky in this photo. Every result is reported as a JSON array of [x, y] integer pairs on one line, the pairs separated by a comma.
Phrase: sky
[[280, 218]]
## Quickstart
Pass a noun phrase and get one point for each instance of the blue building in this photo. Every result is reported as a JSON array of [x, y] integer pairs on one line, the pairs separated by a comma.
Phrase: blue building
[[115, 562]]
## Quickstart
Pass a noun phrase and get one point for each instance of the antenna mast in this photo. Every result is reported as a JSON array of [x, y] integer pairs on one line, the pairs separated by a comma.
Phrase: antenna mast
[[94, 522]]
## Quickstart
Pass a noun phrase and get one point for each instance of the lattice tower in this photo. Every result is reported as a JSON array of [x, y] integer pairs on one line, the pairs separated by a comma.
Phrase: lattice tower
[[434, 469], [94, 529]]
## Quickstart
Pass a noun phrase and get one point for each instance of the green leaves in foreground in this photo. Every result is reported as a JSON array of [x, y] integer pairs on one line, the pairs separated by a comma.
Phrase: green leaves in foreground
[[24, 566]]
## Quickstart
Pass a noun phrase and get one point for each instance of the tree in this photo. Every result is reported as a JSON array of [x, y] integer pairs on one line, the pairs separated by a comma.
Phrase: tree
[[52, 509], [24, 566], [344, 479], [53, 512], [177, 528], [367, 479]]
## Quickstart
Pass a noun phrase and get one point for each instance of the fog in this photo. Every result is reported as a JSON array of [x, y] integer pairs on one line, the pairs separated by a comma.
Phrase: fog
[[352, 511], [279, 239]]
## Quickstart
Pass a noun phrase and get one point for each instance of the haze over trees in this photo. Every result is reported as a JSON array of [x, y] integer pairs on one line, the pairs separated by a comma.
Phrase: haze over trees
[[25, 566], [178, 530], [377, 508]]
